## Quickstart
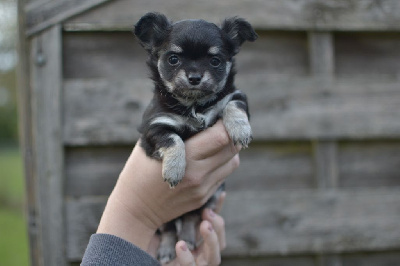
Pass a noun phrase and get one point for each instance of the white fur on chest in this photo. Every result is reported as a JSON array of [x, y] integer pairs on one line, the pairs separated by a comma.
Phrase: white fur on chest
[[197, 121]]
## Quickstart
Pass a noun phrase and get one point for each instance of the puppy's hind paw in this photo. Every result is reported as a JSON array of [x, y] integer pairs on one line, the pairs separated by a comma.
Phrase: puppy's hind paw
[[166, 254]]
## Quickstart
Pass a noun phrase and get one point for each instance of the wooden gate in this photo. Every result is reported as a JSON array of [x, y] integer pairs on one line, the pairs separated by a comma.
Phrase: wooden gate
[[319, 185]]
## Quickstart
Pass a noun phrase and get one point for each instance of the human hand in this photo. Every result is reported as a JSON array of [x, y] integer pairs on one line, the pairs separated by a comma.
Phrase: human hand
[[141, 202], [212, 230]]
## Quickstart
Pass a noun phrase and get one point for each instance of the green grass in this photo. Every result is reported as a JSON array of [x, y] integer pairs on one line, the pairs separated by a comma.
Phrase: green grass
[[13, 239], [13, 236], [11, 178]]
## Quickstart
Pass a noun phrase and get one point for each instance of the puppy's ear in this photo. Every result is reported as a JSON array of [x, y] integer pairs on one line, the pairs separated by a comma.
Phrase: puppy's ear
[[239, 31], [152, 30]]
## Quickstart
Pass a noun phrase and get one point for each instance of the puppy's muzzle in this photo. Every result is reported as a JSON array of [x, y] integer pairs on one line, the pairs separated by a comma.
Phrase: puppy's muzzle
[[194, 78]]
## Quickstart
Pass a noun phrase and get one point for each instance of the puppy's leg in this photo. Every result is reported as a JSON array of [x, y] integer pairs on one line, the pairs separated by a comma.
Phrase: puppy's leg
[[166, 250], [187, 228], [174, 161], [212, 202], [161, 141], [236, 122]]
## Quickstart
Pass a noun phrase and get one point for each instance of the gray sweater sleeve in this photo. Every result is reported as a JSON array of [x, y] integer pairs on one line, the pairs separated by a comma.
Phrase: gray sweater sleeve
[[106, 249]]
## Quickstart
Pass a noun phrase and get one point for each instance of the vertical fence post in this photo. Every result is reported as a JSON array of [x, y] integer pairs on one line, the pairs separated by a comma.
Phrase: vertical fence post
[[322, 65], [45, 82]]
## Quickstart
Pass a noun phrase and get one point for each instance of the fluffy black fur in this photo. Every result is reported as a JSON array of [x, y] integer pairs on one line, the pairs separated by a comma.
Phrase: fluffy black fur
[[192, 66]]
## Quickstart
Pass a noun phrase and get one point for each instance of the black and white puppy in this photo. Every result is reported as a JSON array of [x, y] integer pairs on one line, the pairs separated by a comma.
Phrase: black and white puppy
[[192, 65]]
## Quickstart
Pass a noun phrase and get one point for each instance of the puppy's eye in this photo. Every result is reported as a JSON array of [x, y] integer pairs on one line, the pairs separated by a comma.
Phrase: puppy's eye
[[173, 60], [215, 62]]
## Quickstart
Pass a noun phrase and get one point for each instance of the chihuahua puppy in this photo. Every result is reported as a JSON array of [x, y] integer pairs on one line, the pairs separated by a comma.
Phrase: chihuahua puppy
[[192, 65]]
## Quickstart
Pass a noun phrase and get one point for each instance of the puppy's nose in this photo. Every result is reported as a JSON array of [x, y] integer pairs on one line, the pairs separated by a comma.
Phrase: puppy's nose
[[194, 78]]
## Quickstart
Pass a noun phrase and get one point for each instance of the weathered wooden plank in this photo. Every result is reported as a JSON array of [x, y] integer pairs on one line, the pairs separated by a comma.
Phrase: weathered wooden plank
[[283, 14], [109, 111], [304, 222], [313, 108], [44, 14], [369, 164], [91, 171], [372, 259], [118, 54], [273, 166], [82, 219], [282, 222], [102, 112], [270, 261], [329, 260], [46, 83], [107, 55], [367, 54], [375, 55]]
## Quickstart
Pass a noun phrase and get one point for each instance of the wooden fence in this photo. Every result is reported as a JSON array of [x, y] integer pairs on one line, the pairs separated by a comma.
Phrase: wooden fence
[[319, 185]]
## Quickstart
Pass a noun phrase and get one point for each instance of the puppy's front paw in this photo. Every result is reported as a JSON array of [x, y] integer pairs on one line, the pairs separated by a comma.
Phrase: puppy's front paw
[[237, 124], [173, 169], [174, 162]]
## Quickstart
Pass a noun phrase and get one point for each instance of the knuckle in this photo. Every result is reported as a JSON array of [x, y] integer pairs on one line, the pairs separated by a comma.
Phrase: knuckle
[[195, 180], [222, 246], [220, 222], [203, 196], [222, 138], [235, 161], [199, 197]]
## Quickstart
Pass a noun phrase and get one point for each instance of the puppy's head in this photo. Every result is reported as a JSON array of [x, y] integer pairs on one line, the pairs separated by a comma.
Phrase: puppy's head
[[193, 58]]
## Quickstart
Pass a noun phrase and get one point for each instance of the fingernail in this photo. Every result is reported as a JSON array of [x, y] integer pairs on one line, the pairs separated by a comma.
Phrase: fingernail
[[210, 228], [184, 247], [212, 213], [239, 147]]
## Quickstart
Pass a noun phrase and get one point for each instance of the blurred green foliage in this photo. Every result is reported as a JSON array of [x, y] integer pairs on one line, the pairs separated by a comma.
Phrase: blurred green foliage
[[8, 110], [8, 60], [13, 234]]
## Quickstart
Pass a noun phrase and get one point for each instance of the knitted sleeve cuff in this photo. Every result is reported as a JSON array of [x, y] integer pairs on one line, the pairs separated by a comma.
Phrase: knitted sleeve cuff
[[104, 249]]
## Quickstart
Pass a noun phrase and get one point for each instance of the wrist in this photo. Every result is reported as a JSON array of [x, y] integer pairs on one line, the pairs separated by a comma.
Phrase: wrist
[[120, 220]]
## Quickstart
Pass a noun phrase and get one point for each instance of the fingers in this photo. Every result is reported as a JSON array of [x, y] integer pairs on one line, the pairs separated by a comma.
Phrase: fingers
[[210, 252], [211, 246], [221, 157], [212, 229], [209, 142], [218, 224], [214, 179], [183, 254], [220, 202]]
